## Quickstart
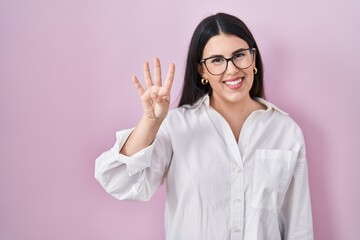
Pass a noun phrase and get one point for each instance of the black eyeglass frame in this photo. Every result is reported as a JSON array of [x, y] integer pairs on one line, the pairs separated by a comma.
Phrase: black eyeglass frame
[[252, 50]]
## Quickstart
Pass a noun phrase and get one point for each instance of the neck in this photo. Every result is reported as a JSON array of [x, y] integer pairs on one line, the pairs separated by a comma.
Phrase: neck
[[235, 113], [243, 108]]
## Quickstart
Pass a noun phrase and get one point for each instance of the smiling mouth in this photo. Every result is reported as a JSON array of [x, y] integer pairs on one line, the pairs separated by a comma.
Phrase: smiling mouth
[[234, 83]]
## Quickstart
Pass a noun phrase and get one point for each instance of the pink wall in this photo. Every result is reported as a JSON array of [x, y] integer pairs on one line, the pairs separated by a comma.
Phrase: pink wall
[[65, 89]]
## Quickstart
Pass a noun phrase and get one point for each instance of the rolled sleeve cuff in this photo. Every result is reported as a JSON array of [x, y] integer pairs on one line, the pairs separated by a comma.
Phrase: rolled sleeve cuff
[[136, 162]]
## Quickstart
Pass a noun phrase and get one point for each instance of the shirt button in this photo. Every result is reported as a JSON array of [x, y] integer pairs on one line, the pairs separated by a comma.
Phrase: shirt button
[[239, 170], [236, 230], [237, 200]]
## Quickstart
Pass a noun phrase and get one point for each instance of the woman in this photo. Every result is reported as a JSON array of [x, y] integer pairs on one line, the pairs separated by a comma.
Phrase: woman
[[234, 164]]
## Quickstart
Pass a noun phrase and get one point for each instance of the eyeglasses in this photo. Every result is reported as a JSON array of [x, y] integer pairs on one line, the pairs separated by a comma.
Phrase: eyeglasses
[[217, 65]]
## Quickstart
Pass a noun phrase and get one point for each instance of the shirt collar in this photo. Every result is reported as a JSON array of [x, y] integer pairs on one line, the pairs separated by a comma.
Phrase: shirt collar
[[270, 106], [205, 101]]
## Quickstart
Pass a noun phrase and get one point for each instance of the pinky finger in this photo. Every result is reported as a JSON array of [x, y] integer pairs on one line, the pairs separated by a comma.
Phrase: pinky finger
[[137, 85]]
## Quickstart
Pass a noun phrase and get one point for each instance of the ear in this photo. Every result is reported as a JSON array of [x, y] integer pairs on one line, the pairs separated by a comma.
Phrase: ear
[[201, 70]]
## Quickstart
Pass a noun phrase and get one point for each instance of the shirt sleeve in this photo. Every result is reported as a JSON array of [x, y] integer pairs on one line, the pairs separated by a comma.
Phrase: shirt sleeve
[[296, 216], [135, 177]]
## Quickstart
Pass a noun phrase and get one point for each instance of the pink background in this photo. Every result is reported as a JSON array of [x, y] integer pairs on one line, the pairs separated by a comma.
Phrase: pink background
[[65, 89]]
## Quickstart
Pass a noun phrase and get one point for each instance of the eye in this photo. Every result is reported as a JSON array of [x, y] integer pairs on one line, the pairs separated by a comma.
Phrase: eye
[[239, 55], [216, 60]]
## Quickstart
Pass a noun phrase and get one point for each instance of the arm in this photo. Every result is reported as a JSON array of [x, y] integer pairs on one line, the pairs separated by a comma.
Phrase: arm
[[296, 215], [155, 101], [135, 177], [136, 165]]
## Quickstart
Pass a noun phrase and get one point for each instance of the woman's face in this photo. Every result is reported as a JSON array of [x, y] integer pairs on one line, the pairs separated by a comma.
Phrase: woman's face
[[234, 84]]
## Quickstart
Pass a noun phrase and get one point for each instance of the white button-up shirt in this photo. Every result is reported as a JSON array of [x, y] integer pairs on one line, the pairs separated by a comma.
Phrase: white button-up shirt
[[217, 188]]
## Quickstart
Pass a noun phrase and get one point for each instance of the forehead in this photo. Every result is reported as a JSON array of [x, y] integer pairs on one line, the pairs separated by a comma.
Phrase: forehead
[[224, 44]]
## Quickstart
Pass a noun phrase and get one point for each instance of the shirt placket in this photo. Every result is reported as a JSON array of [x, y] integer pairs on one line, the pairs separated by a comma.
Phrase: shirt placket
[[237, 192], [238, 153], [237, 177]]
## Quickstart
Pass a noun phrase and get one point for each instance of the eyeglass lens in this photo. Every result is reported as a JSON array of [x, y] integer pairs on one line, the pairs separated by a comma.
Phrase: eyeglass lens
[[218, 65]]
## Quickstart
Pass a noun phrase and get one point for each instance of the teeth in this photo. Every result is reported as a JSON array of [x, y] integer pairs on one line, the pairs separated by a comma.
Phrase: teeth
[[233, 83]]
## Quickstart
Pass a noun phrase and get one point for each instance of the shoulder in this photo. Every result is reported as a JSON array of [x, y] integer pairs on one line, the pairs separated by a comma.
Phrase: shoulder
[[182, 113], [190, 110], [280, 120], [187, 115]]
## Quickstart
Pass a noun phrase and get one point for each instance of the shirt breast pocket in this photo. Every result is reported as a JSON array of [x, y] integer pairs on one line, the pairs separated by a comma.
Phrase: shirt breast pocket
[[273, 171]]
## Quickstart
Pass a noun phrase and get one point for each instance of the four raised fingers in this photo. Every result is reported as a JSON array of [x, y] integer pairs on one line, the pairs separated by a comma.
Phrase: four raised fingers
[[157, 75]]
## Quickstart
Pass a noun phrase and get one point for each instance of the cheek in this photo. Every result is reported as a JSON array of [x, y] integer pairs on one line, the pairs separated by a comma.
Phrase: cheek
[[251, 82], [250, 74], [214, 80], [249, 71]]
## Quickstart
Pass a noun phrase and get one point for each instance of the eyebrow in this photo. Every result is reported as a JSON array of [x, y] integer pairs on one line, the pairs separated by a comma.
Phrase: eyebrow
[[233, 53]]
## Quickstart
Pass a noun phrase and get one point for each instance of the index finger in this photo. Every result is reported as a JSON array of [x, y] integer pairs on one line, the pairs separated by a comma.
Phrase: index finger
[[170, 77]]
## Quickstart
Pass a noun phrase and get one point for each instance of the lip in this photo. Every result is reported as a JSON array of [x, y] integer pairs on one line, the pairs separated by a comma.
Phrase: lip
[[236, 83]]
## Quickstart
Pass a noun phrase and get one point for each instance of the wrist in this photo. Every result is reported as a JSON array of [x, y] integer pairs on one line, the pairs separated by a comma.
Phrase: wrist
[[151, 120]]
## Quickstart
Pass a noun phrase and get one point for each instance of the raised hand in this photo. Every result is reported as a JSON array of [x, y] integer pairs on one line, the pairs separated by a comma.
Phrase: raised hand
[[155, 99]]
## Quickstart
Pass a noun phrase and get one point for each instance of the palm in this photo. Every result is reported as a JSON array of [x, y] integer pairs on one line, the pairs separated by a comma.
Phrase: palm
[[156, 98]]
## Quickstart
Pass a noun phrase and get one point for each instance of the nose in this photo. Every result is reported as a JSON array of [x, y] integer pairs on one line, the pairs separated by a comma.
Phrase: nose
[[231, 68]]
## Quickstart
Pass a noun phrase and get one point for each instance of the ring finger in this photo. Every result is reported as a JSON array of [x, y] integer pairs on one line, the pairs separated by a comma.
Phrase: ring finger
[[147, 75]]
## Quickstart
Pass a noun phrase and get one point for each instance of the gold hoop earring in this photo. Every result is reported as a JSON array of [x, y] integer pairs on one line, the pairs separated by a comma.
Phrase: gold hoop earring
[[255, 70], [204, 81]]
